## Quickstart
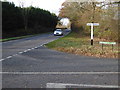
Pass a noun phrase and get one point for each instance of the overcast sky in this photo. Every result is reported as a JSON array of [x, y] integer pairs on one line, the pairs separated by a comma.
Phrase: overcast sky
[[51, 5]]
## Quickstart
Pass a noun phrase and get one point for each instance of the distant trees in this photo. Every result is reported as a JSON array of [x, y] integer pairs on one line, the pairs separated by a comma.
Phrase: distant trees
[[104, 13], [38, 17], [17, 21], [11, 18]]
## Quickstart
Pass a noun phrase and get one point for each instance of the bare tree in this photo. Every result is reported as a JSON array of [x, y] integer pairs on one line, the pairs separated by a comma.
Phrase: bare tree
[[104, 13]]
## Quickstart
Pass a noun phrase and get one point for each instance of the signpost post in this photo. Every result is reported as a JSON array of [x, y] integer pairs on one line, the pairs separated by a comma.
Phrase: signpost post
[[92, 29]]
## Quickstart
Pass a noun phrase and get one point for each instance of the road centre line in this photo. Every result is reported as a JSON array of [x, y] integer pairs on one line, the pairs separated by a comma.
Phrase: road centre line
[[9, 57], [62, 73], [18, 54], [32, 48], [21, 52], [61, 85], [1, 60], [36, 47], [24, 51], [42, 45], [15, 55], [28, 49]]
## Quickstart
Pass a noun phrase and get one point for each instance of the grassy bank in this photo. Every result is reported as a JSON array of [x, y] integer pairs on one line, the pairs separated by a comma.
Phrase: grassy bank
[[75, 44]]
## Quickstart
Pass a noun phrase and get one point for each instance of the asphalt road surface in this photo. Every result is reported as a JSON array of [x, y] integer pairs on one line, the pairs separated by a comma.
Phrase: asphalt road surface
[[26, 63]]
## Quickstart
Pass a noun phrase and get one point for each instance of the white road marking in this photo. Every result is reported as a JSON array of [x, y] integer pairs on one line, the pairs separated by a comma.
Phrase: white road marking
[[63, 73], [28, 49], [9, 57], [61, 85], [32, 48], [16, 54], [20, 52], [42, 45], [36, 47], [1, 59], [13, 55], [23, 51]]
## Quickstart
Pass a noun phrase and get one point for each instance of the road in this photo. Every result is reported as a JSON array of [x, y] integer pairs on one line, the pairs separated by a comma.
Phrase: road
[[27, 63]]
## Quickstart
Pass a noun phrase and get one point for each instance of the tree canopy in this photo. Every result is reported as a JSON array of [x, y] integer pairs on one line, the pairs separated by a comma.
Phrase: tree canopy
[[104, 13], [19, 21]]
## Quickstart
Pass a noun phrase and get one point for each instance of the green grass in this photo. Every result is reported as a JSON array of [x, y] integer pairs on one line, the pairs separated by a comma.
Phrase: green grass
[[72, 43]]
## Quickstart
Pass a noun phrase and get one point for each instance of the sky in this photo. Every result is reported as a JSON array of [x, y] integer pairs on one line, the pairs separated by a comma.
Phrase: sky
[[51, 5]]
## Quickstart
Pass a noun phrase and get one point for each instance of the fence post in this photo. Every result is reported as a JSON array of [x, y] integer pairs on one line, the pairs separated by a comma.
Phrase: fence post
[[112, 47]]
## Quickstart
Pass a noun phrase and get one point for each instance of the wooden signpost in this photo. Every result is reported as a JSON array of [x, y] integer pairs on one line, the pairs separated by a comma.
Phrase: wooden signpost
[[92, 29]]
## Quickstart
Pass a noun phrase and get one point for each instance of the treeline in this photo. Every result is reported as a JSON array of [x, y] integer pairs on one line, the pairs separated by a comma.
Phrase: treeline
[[104, 13], [19, 21]]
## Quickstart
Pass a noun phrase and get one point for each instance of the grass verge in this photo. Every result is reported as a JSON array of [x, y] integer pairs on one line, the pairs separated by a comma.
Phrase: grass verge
[[81, 46]]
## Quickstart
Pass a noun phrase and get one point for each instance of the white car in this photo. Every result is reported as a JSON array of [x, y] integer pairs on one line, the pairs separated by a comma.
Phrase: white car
[[58, 32]]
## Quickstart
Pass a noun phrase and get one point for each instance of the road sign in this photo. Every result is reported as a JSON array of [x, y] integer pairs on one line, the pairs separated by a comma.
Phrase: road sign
[[112, 43], [92, 28], [107, 43], [94, 24]]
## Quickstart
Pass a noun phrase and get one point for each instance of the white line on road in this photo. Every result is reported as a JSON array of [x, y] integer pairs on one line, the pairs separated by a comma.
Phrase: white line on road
[[42, 45], [32, 48], [17, 54], [28, 49], [61, 85], [1, 59], [36, 47], [9, 57], [20, 52], [62, 73], [25, 51]]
